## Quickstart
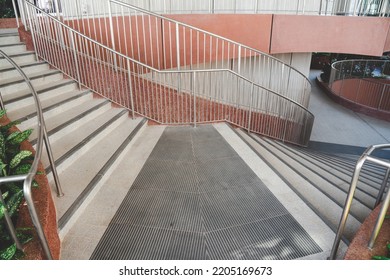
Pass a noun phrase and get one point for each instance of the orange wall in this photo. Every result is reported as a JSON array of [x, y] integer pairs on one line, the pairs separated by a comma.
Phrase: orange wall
[[296, 33], [338, 34], [251, 30]]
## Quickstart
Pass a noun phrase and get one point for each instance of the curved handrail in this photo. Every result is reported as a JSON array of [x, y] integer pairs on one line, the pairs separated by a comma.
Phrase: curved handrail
[[28, 178], [52, 35], [362, 82], [366, 156], [208, 33], [295, 7]]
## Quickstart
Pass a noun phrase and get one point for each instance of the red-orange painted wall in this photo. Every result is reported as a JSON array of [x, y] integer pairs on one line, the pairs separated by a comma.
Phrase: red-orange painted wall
[[251, 30], [338, 34]]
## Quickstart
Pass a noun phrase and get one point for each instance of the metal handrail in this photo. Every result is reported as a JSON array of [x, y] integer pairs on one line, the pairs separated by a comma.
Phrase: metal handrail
[[304, 119], [28, 178], [295, 7], [366, 156], [208, 33], [368, 92]]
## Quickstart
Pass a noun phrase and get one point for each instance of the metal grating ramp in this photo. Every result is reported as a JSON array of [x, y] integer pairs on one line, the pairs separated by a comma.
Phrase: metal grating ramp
[[195, 198]]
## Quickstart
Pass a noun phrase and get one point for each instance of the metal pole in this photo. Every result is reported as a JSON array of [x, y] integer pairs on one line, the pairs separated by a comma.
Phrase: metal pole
[[383, 187], [348, 203], [52, 162], [131, 88], [112, 32], [35, 219], [73, 45], [16, 13], [250, 107], [193, 92]]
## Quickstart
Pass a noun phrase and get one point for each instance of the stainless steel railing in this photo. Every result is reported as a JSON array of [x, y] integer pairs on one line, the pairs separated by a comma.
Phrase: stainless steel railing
[[163, 43], [27, 179], [72, 8], [177, 96], [366, 157], [364, 82]]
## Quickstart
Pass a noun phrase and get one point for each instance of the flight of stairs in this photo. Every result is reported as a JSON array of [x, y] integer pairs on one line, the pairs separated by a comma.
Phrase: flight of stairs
[[321, 179], [87, 134], [90, 140]]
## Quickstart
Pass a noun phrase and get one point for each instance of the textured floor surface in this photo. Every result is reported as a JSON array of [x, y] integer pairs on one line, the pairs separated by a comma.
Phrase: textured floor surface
[[195, 198]]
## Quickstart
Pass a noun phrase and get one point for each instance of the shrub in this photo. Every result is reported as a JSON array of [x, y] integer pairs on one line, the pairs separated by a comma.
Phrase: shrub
[[13, 161]]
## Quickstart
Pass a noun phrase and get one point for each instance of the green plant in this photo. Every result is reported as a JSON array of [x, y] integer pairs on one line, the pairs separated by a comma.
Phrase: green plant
[[6, 9], [13, 161], [387, 257]]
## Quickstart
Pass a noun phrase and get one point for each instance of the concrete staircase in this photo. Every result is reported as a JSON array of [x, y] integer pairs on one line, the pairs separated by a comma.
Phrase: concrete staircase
[[321, 179], [87, 133]]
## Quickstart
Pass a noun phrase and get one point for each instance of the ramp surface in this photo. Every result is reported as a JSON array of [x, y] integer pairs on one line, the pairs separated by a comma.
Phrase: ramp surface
[[195, 198]]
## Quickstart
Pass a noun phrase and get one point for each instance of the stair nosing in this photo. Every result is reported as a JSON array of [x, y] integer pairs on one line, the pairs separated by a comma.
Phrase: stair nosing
[[68, 122], [86, 139], [324, 177], [92, 184], [48, 108], [36, 76], [309, 204]]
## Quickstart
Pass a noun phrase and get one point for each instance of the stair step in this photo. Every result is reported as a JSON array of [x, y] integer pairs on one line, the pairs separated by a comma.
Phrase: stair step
[[324, 206], [370, 180], [18, 58], [326, 172], [12, 85], [48, 88], [9, 38], [68, 148], [79, 179], [110, 191], [28, 68], [13, 48], [51, 104], [58, 125]]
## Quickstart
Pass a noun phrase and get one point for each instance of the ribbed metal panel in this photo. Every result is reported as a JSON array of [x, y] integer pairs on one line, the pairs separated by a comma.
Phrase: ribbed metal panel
[[202, 204]]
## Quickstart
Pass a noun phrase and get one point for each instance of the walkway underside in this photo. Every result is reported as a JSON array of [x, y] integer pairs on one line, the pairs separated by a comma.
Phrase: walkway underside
[[195, 198]]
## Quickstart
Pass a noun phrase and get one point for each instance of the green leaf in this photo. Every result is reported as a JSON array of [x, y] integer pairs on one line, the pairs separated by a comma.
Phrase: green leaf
[[14, 202], [2, 146], [2, 113], [8, 253], [24, 237], [380, 258], [22, 169], [3, 170], [6, 127], [2, 210], [19, 157], [35, 184], [13, 187], [19, 137]]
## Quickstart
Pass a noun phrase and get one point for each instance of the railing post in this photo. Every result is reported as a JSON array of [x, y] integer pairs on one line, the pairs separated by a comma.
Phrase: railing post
[[112, 32], [348, 203], [35, 219], [16, 13], [250, 107], [239, 60], [383, 187], [32, 33], [194, 95], [51, 161], [382, 95], [177, 46], [131, 89], [76, 61]]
